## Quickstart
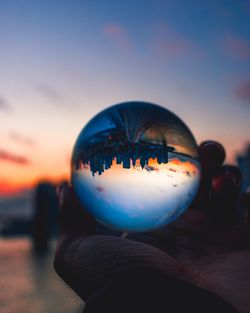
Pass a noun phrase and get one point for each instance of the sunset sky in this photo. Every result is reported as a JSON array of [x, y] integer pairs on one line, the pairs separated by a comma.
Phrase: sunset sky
[[63, 61]]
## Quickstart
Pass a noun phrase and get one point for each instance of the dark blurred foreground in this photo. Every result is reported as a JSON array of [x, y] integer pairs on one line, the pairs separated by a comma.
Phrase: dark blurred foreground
[[28, 281]]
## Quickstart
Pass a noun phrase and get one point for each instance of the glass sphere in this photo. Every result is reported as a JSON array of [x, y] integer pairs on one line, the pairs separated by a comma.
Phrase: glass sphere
[[135, 167]]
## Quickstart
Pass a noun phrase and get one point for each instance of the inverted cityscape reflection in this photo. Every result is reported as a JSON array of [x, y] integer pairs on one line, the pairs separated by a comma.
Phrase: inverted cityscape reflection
[[135, 167]]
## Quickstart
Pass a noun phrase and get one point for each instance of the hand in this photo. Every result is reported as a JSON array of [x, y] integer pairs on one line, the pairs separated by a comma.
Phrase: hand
[[198, 263]]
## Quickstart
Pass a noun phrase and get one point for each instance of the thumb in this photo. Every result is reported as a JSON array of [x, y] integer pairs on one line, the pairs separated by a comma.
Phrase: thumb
[[73, 218]]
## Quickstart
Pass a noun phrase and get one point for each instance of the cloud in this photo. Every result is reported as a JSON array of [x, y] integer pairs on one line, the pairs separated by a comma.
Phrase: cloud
[[100, 189], [55, 97], [4, 105], [49, 92], [242, 92], [151, 168], [236, 47], [21, 139], [167, 42], [174, 48], [13, 192], [13, 158], [118, 35]]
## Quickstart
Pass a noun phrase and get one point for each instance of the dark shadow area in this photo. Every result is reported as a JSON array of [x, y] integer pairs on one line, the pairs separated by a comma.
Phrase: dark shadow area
[[44, 222]]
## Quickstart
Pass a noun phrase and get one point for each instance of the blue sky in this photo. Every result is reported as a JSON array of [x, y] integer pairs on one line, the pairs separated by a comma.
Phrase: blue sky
[[63, 61]]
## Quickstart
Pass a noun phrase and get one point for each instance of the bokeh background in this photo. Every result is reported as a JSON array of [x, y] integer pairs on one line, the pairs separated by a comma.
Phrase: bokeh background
[[62, 62]]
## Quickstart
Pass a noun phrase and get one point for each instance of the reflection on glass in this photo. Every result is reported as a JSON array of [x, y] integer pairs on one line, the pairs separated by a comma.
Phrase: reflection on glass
[[135, 167]]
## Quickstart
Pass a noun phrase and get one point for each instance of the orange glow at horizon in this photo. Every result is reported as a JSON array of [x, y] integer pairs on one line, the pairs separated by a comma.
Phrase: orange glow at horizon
[[10, 188], [15, 179], [44, 164]]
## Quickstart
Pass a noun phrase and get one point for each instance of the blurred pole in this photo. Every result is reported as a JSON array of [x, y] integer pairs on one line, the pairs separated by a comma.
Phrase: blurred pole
[[45, 215]]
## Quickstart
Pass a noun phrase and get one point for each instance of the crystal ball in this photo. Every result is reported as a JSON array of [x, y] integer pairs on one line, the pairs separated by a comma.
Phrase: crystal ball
[[135, 167]]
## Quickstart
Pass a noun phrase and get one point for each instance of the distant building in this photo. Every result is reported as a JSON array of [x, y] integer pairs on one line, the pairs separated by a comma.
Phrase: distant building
[[244, 165], [100, 158]]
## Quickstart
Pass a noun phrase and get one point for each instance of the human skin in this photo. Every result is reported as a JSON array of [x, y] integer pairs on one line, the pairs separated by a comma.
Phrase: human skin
[[198, 263]]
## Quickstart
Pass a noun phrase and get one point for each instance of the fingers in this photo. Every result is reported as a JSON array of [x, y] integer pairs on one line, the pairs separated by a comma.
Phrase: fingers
[[73, 218], [245, 202], [224, 199], [88, 264], [227, 179], [246, 199], [219, 190], [212, 155]]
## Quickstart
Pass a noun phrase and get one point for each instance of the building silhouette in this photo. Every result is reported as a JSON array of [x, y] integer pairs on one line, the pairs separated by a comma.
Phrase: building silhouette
[[125, 154]]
